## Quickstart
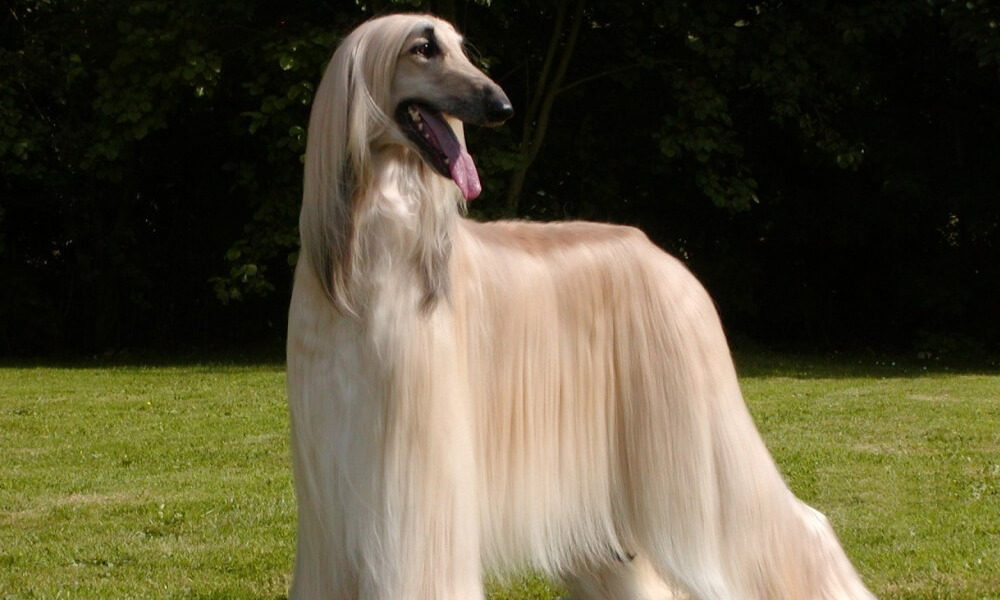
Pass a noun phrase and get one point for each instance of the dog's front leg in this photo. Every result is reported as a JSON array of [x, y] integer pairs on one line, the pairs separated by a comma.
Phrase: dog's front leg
[[426, 535], [384, 465]]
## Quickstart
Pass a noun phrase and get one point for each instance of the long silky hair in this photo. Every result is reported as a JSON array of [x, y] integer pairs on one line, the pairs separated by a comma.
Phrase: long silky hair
[[558, 397]]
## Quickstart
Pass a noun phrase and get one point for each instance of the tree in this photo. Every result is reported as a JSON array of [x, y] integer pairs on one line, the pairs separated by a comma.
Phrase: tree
[[828, 168], [135, 139]]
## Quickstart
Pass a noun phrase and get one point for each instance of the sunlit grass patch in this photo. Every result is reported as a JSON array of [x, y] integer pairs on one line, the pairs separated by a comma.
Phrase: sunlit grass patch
[[175, 481]]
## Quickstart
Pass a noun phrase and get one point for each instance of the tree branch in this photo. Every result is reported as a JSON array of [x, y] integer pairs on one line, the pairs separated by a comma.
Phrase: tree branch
[[537, 119], [531, 114], [592, 77]]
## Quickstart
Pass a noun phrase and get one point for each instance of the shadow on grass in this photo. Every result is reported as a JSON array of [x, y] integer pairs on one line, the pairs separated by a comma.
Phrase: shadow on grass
[[269, 358], [756, 362], [751, 361]]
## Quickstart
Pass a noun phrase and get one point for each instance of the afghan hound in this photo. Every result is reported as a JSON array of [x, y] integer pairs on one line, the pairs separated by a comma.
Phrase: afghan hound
[[472, 397]]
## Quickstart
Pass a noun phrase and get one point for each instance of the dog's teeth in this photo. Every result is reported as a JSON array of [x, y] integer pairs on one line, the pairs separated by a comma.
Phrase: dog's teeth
[[414, 114], [447, 160], [420, 126]]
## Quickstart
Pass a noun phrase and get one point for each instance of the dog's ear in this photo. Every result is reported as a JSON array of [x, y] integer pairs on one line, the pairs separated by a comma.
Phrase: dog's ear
[[337, 165]]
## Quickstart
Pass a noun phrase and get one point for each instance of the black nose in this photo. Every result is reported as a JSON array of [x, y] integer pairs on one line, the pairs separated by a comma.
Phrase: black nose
[[498, 107], [500, 110]]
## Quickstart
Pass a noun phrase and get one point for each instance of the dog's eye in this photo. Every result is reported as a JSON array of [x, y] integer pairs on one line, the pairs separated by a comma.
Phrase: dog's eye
[[426, 49]]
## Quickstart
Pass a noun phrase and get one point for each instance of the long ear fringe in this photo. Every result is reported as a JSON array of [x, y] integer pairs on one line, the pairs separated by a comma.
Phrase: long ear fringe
[[345, 119]]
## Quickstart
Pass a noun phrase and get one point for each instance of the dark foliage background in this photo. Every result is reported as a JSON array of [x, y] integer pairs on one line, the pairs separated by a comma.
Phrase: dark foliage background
[[829, 169]]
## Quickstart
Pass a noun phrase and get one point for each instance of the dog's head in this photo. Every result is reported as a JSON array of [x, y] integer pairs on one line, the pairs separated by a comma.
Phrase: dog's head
[[409, 82], [434, 90]]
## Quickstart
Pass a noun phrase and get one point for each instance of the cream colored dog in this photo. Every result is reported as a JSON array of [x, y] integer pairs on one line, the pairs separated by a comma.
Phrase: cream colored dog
[[555, 397]]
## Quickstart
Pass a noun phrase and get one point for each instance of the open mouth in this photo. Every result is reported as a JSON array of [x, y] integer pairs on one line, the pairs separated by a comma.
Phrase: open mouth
[[439, 145]]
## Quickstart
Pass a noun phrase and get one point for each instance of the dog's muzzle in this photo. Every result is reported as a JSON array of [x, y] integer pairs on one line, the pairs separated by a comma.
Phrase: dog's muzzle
[[426, 126]]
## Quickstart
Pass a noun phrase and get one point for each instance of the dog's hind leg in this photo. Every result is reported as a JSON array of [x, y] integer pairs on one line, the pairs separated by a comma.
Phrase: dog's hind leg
[[630, 579]]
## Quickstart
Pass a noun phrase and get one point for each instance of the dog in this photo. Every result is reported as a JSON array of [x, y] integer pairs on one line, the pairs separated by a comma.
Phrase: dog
[[469, 398]]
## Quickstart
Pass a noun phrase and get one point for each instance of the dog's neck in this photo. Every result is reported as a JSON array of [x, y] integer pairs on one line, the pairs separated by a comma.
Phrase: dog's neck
[[408, 227]]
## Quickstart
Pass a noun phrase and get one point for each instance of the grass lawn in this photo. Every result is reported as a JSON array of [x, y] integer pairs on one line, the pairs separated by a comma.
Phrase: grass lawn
[[174, 481]]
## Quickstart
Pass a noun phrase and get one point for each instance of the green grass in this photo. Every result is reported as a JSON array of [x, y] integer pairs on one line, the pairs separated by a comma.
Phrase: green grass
[[167, 482], [174, 482]]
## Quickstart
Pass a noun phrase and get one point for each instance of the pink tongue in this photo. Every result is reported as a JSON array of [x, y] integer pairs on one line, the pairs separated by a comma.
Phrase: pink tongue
[[464, 174], [463, 169]]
